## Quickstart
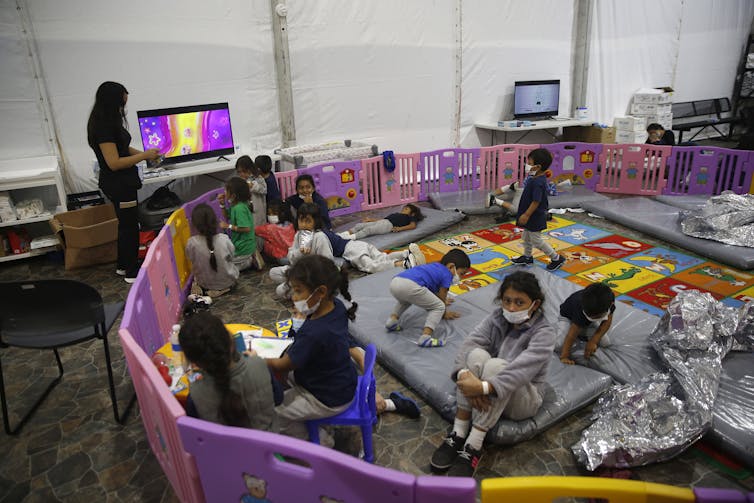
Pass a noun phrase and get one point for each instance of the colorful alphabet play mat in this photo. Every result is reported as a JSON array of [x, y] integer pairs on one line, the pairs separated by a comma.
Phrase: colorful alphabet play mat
[[641, 275]]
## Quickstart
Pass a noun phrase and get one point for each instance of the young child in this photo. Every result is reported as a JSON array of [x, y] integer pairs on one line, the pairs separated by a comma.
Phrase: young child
[[318, 363], [306, 193], [309, 240], [499, 372], [505, 198], [405, 220], [211, 254], [586, 314], [239, 212], [658, 135], [246, 170], [427, 287], [366, 257], [233, 390], [278, 232], [264, 164], [532, 211]]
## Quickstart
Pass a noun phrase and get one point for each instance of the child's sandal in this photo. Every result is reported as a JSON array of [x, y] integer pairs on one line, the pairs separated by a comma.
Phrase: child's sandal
[[431, 342]]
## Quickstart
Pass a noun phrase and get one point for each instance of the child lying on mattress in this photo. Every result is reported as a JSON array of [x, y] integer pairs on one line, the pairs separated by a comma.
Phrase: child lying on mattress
[[366, 257], [499, 372], [406, 220], [586, 314]]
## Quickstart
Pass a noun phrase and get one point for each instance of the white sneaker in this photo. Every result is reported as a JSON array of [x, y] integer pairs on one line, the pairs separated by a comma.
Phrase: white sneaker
[[415, 252], [120, 272], [346, 235], [130, 280]]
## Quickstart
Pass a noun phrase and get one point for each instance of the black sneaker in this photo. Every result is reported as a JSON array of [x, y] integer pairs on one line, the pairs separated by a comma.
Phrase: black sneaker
[[523, 260], [447, 453], [490, 201], [505, 216], [405, 406], [465, 463], [554, 265]]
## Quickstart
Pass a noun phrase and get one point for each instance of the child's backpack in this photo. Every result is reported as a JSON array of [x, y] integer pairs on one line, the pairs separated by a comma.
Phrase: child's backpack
[[388, 160]]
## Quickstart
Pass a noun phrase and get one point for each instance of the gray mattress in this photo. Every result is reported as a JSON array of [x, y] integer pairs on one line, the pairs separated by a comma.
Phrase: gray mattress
[[434, 221], [472, 202], [427, 371], [684, 202], [662, 221]]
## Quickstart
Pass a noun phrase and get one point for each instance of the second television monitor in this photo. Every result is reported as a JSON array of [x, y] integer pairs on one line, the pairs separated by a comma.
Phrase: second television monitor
[[536, 98]]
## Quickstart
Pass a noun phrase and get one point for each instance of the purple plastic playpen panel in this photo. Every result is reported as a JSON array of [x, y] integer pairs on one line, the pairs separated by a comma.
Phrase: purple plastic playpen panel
[[233, 462], [160, 411], [450, 170], [708, 170], [140, 317], [502, 165], [445, 489], [287, 182], [710, 495], [633, 169], [163, 279], [575, 159], [381, 189], [339, 184]]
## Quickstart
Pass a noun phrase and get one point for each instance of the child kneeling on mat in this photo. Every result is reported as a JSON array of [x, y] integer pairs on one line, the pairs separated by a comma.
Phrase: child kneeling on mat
[[427, 286], [580, 314], [318, 364], [405, 220], [499, 372]]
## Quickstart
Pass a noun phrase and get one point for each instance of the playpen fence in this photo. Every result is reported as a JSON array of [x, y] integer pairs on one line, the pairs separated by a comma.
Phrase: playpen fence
[[633, 169], [577, 162]]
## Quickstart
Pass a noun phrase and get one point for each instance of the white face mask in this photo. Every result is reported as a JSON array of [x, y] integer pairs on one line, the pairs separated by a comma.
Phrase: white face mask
[[596, 320], [303, 307], [296, 323], [531, 170], [456, 280], [516, 317], [273, 219]]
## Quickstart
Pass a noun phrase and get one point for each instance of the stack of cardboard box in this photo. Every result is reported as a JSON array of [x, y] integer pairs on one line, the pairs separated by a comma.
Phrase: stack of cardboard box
[[589, 134], [654, 105], [630, 129]]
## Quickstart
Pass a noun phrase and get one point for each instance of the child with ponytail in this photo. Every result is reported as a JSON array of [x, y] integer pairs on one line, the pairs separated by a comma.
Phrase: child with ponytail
[[211, 254], [240, 214], [234, 390], [318, 364]]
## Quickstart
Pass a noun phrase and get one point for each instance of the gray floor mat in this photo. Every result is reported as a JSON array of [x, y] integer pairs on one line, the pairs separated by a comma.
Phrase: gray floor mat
[[684, 202], [434, 221], [662, 221], [472, 202]]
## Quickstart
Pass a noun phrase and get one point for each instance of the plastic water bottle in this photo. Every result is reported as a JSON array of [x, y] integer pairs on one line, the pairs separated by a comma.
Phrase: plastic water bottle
[[176, 361]]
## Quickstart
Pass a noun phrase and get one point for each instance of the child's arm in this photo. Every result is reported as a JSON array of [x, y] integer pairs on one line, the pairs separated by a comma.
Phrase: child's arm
[[442, 294], [358, 356], [524, 218], [234, 227], [570, 338], [259, 186], [408, 227], [280, 365], [594, 341]]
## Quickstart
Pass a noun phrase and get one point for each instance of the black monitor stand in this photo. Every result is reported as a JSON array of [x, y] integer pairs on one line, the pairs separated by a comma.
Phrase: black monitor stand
[[222, 157]]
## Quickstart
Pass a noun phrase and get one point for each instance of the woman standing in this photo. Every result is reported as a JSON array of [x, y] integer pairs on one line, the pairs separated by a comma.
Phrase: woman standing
[[118, 175]]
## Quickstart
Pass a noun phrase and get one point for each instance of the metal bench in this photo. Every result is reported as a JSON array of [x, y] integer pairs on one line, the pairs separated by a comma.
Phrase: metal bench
[[702, 114]]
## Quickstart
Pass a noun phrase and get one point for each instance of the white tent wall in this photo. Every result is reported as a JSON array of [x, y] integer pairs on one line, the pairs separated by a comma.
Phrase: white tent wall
[[168, 53], [506, 41]]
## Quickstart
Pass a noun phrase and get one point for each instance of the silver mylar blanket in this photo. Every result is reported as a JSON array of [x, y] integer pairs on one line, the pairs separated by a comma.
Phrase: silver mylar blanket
[[728, 218], [664, 413]]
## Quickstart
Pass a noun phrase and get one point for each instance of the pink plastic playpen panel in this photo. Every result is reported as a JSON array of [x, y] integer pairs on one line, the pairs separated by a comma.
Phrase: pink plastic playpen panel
[[633, 169], [140, 317], [381, 189], [160, 412], [449, 170], [502, 165], [575, 160], [163, 279], [287, 182], [708, 170], [445, 489]]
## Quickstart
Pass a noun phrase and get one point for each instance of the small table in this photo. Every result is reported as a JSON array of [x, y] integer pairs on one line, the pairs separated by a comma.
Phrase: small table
[[545, 125]]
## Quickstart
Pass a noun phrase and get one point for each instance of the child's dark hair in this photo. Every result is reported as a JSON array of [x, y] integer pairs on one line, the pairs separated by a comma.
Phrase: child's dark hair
[[597, 299], [313, 271], [655, 127], [205, 222], [457, 257], [415, 212], [205, 341], [239, 189], [541, 157], [263, 163], [245, 164], [524, 282], [312, 210], [305, 178], [281, 209]]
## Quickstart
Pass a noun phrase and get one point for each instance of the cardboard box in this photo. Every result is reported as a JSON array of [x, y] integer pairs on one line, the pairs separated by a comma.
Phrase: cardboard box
[[665, 120], [650, 108], [589, 134], [89, 236], [630, 123], [630, 137], [656, 96]]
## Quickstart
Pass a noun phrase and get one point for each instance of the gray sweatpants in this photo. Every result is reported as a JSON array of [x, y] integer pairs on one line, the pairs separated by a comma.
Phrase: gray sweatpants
[[365, 229], [534, 239], [366, 257], [564, 324], [298, 406], [406, 292], [277, 274], [522, 404]]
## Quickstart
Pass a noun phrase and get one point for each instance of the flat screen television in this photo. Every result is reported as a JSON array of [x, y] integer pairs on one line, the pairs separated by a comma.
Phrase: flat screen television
[[536, 98], [187, 133]]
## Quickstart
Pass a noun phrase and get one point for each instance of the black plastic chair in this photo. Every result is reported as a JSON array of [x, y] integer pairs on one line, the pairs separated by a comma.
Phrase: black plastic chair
[[50, 314]]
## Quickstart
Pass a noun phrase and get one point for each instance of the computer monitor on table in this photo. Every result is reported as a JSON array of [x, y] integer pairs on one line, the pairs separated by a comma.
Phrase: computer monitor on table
[[536, 99]]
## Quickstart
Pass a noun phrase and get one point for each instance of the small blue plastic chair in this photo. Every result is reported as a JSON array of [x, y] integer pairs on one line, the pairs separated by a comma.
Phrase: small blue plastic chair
[[362, 412]]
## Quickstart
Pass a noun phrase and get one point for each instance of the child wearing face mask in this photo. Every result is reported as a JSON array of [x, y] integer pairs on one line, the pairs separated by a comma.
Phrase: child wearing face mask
[[277, 232], [532, 211], [499, 372], [306, 193], [318, 364], [427, 286], [586, 315]]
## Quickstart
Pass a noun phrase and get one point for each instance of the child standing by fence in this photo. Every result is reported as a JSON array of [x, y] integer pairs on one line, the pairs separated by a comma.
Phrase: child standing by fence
[[211, 254], [246, 170], [241, 223]]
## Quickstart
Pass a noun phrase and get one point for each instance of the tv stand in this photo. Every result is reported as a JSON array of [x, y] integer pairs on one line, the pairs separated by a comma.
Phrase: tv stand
[[222, 157], [186, 169], [545, 125]]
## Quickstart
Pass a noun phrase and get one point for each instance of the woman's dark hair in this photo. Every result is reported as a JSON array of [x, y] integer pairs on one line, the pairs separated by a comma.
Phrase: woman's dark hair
[[239, 189], [205, 342], [415, 212], [264, 163], [305, 178], [524, 282], [107, 113], [205, 222], [457, 257], [312, 210], [541, 157], [597, 299], [245, 164], [313, 271]]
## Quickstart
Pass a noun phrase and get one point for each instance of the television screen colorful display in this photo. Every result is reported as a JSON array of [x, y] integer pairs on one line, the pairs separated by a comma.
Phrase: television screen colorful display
[[187, 133]]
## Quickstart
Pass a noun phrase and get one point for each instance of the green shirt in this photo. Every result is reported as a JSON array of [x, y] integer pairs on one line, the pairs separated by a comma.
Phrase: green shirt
[[245, 242]]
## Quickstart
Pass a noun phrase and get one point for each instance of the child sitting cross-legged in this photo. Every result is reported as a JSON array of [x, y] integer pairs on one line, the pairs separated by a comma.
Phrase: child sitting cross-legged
[[427, 286], [405, 220], [586, 315], [211, 255]]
